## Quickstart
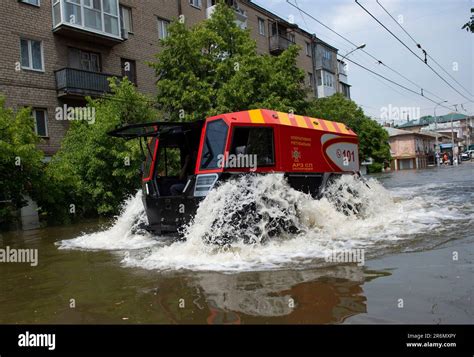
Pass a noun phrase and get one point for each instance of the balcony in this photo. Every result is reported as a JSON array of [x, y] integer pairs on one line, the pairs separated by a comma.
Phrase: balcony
[[89, 20], [71, 82], [279, 43], [240, 15]]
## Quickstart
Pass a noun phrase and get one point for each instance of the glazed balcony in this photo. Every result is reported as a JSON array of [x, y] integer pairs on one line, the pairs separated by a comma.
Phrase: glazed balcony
[[240, 14], [90, 20]]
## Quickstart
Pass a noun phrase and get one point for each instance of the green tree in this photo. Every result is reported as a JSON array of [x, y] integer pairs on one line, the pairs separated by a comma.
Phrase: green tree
[[21, 166], [96, 172], [214, 68], [373, 138]]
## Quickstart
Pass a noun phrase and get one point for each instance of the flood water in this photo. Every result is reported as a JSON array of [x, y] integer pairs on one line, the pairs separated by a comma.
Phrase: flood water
[[410, 225]]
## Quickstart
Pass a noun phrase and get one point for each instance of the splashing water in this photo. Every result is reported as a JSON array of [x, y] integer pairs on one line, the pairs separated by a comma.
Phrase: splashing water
[[125, 233], [246, 209]]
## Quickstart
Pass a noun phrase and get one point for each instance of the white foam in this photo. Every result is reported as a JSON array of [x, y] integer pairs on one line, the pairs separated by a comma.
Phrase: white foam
[[384, 220], [120, 235]]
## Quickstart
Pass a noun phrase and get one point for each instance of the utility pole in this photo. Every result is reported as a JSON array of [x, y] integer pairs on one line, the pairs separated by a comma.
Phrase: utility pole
[[452, 130], [436, 128]]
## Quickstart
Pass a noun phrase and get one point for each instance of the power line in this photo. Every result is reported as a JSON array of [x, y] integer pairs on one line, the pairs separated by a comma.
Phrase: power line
[[425, 61], [419, 46], [398, 84], [367, 53], [304, 20]]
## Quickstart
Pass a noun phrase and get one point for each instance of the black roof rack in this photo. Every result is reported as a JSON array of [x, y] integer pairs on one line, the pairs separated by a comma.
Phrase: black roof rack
[[133, 131]]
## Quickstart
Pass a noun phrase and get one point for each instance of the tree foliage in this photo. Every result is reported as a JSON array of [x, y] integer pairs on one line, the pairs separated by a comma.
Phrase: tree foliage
[[21, 166], [95, 171], [373, 139], [214, 68]]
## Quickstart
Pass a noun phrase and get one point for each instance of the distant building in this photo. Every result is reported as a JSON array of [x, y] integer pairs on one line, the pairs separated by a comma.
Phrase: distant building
[[325, 68], [461, 127], [411, 150]]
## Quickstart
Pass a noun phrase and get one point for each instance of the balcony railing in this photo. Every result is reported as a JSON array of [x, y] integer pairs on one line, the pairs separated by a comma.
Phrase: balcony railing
[[77, 82], [279, 43]]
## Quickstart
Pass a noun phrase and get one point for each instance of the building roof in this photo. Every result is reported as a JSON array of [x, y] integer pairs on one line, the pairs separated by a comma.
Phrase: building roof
[[265, 116], [278, 18], [428, 119], [398, 132]]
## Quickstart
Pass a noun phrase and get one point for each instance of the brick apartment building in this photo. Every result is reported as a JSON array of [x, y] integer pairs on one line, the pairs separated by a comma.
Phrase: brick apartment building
[[56, 52]]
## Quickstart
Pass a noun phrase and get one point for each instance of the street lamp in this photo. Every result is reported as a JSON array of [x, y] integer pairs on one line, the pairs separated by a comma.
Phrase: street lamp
[[342, 59]]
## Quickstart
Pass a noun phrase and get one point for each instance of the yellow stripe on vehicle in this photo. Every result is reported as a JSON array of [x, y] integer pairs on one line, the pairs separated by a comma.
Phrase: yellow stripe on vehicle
[[343, 128], [256, 116], [330, 126], [284, 119], [300, 121]]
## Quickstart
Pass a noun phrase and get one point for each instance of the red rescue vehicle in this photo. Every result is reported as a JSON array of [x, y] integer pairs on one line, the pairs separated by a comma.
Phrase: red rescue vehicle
[[184, 161]]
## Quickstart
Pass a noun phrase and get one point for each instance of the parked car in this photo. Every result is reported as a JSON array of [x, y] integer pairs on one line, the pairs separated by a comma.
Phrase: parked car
[[467, 155]]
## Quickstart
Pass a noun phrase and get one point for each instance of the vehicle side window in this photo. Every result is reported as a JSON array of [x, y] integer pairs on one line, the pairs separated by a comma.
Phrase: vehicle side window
[[214, 144], [169, 161], [254, 141]]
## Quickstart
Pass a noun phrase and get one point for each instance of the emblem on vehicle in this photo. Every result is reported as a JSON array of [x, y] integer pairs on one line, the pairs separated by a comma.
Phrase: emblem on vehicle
[[296, 154]]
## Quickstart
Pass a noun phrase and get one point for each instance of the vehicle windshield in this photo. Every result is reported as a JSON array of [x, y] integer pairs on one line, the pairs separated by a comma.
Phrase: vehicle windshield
[[214, 144]]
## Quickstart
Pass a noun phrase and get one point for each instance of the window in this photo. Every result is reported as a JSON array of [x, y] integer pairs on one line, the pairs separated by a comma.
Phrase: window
[[254, 141], [291, 37], [56, 13], [274, 29], [100, 16], [41, 122], [327, 54], [328, 79], [111, 16], [261, 26], [169, 161], [308, 49], [195, 3], [163, 28], [86, 60], [129, 70], [92, 14], [73, 14], [126, 18], [214, 145], [320, 82], [310, 76], [31, 2], [31, 55]]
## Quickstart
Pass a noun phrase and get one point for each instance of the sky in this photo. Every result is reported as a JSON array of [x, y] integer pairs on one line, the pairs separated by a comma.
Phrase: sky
[[435, 24]]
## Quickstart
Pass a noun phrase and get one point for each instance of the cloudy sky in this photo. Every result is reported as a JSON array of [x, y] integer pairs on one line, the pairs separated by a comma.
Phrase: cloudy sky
[[435, 24]]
